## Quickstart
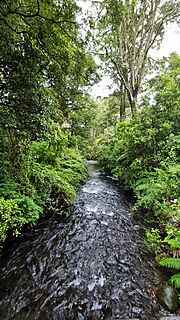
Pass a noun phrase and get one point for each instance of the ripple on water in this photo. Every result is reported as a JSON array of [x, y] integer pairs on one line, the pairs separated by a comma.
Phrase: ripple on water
[[90, 267]]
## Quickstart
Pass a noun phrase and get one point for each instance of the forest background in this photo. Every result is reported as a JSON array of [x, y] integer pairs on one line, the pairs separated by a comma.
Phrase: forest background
[[50, 124]]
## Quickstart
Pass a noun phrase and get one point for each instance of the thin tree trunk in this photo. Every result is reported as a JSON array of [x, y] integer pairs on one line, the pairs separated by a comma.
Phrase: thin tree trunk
[[133, 103], [134, 107], [122, 104]]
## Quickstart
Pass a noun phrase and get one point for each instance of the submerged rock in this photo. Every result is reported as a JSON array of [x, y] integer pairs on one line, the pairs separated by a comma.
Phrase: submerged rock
[[168, 298]]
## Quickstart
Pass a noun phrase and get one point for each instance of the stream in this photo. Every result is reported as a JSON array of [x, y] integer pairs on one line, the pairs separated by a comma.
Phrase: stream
[[91, 266]]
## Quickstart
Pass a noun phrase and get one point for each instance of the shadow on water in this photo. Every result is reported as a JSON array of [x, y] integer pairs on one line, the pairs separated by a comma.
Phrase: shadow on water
[[92, 266]]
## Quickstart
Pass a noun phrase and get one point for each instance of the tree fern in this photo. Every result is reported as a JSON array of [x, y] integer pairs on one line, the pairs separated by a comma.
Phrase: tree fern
[[175, 280], [170, 263]]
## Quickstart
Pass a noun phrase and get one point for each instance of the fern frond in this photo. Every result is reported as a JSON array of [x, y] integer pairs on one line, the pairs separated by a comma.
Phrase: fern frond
[[175, 280], [170, 263]]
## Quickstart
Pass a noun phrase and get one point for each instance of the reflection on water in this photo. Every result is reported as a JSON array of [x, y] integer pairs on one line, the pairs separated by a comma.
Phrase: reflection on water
[[89, 267]]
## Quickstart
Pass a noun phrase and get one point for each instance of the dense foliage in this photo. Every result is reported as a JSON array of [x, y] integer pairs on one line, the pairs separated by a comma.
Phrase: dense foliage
[[45, 118], [50, 172], [48, 120], [144, 155]]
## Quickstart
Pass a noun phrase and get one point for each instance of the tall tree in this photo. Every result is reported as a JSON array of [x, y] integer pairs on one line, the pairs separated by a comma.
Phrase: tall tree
[[40, 54], [127, 30]]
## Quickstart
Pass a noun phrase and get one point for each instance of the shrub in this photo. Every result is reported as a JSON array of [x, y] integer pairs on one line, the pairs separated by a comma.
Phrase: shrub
[[50, 172], [15, 213]]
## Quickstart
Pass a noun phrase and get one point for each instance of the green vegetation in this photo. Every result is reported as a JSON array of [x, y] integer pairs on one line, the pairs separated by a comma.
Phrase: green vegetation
[[49, 174], [45, 116], [49, 123], [144, 154]]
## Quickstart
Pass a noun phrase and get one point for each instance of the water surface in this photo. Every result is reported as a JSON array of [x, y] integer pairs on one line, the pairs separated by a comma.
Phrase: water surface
[[91, 266]]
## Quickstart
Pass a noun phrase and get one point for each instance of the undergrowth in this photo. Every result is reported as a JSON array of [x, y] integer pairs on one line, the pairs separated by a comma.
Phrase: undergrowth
[[144, 155], [49, 173]]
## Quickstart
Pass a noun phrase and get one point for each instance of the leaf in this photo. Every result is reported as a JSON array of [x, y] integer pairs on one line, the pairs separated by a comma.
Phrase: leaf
[[173, 263], [175, 280]]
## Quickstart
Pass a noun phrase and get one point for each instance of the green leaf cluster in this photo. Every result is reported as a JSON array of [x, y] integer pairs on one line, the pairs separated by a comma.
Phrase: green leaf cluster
[[15, 213], [50, 172], [173, 263], [53, 170], [173, 241]]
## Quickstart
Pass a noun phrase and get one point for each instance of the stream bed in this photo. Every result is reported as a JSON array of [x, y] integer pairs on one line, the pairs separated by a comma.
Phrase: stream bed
[[91, 266]]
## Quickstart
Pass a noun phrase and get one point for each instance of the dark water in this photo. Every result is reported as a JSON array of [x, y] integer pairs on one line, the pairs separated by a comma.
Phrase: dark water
[[93, 266]]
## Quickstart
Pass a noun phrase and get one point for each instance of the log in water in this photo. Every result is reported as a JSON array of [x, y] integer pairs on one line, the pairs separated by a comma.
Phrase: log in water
[[92, 266]]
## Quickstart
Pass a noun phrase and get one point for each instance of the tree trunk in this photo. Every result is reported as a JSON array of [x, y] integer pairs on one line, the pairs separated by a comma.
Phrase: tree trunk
[[122, 104], [133, 107], [132, 97]]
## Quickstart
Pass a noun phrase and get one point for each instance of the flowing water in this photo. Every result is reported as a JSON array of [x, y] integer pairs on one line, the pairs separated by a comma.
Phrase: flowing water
[[91, 266]]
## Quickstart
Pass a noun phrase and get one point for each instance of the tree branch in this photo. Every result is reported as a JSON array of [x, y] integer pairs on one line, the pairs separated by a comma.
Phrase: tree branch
[[14, 11], [117, 69], [11, 28]]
